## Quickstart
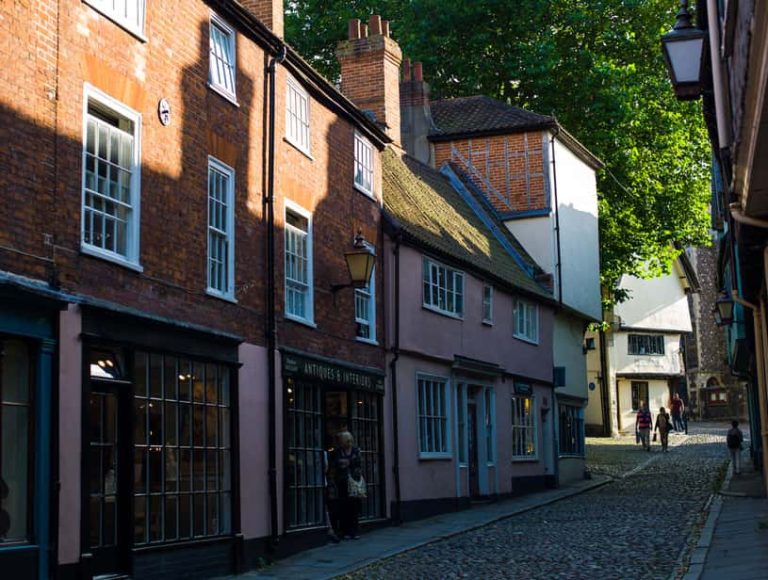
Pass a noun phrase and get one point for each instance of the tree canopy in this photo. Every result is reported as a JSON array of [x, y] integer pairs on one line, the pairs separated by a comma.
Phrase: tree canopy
[[595, 65]]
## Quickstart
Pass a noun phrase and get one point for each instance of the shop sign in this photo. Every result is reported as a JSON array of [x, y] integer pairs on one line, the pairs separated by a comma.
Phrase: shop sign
[[523, 388], [312, 369]]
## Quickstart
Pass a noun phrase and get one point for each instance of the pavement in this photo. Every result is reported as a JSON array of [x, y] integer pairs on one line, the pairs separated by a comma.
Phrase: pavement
[[734, 541], [335, 560]]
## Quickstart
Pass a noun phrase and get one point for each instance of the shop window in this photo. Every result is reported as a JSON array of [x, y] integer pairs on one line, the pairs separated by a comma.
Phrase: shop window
[[639, 394], [434, 438], [182, 478], [365, 421], [524, 440], [16, 459], [571, 430]]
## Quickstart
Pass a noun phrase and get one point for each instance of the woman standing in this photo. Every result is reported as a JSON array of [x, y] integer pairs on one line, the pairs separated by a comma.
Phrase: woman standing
[[344, 462], [664, 426]]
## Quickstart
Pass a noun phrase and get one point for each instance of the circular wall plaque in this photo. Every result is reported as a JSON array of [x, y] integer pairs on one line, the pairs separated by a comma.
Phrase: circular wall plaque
[[592, 386], [164, 111]]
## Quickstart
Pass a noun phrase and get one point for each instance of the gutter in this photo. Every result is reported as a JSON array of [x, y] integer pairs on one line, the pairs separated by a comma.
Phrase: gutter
[[396, 515], [271, 327]]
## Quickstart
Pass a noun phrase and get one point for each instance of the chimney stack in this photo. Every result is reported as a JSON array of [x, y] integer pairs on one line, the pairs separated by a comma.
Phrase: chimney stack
[[270, 12], [416, 114], [370, 71]]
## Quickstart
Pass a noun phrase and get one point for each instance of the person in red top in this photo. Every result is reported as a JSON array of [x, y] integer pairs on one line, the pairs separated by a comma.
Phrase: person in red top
[[643, 422], [677, 408]]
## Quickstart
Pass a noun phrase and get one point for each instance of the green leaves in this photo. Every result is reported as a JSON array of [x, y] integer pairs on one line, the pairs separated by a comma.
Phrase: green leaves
[[596, 65]]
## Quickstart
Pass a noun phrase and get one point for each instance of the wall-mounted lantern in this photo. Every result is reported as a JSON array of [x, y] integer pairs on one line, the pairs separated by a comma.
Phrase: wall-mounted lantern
[[724, 309], [360, 263], [683, 49]]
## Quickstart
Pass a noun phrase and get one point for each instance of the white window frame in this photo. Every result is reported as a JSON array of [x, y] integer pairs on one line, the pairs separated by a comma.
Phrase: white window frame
[[487, 304], [489, 402], [363, 166], [133, 25], [457, 279], [229, 235], [369, 293], [131, 259], [530, 321], [229, 93], [310, 291], [297, 129], [423, 419], [531, 427], [462, 442]]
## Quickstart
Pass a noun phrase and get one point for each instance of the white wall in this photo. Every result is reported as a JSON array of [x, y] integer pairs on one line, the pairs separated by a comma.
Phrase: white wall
[[568, 353], [579, 241], [658, 303], [537, 235], [670, 363], [658, 396]]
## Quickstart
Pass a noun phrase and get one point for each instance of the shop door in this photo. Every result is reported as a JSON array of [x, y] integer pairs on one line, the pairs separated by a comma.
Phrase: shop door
[[106, 512], [474, 472]]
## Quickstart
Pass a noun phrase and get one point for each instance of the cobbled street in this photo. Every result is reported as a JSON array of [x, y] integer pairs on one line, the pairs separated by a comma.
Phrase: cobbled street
[[634, 527]]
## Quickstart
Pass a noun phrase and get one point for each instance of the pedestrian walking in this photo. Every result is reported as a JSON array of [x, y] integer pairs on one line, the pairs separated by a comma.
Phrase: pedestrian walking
[[663, 426], [677, 406], [345, 466], [734, 440], [643, 422]]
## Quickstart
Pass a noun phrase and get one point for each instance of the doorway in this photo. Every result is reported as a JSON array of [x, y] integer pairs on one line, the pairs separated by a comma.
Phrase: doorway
[[474, 468], [107, 510]]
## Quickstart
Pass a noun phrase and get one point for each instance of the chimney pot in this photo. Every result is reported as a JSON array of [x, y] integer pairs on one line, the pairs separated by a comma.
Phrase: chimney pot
[[418, 72], [407, 69], [354, 29], [374, 23], [385, 27]]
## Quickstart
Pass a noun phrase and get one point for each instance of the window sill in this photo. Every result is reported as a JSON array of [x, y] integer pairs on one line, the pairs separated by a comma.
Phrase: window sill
[[527, 459], [571, 456], [364, 191], [525, 339], [109, 257], [225, 297], [487, 322], [442, 312], [304, 321], [224, 93], [299, 148], [371, 341], [435, 456], [645, 354], [138, 34]]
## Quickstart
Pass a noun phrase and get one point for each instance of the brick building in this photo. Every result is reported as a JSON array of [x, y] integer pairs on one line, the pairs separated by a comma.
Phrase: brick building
[[174, 358]]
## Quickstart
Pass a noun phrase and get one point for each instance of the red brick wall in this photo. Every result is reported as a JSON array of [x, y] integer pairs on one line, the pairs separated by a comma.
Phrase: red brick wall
[[42, 158], [513, 164], [270, 12]]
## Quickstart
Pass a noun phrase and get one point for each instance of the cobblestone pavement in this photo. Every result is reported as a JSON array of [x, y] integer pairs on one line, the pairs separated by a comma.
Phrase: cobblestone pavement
[[635, 527]]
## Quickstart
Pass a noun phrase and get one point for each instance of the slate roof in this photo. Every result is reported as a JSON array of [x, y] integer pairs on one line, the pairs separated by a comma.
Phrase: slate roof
[[481, 115], [431, 213]]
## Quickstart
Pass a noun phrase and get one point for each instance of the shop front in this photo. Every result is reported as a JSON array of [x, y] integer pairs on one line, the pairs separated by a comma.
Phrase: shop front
[[158, 448], [323, 397], [27, 350]]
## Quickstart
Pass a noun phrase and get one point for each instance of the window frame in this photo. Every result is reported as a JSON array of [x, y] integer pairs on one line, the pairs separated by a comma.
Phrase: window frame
[[360, 144], [533, 320], [462, 446], [487, 306], [576, 414], [635, 400], [489, 423], [447, 451], [225, 169], [455, 274], [217, 21], [133, 243], [101, 6], [309, 320], [533, 427], [293, 85], [368, 292], [634, 347]]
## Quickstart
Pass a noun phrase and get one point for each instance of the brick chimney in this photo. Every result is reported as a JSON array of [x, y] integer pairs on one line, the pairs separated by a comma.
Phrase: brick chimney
[[270, 12], [370, 72], [416, 120]]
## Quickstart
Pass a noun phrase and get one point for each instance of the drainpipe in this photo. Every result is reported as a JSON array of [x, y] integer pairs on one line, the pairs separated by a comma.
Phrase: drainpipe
[[271, 327], [713, 25], [604, 391], [397, 515], [557, 221]]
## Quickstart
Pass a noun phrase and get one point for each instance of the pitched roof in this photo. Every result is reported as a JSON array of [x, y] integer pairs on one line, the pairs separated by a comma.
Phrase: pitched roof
[[432, 214], [481, 115]]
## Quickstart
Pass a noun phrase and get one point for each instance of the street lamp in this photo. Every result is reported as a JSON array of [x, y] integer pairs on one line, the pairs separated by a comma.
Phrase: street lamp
[[724, 310], [360, 263], [683, 49]]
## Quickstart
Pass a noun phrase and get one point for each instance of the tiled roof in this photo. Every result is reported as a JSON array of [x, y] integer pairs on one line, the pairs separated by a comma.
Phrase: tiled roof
[[433, 214], [484, 116]]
